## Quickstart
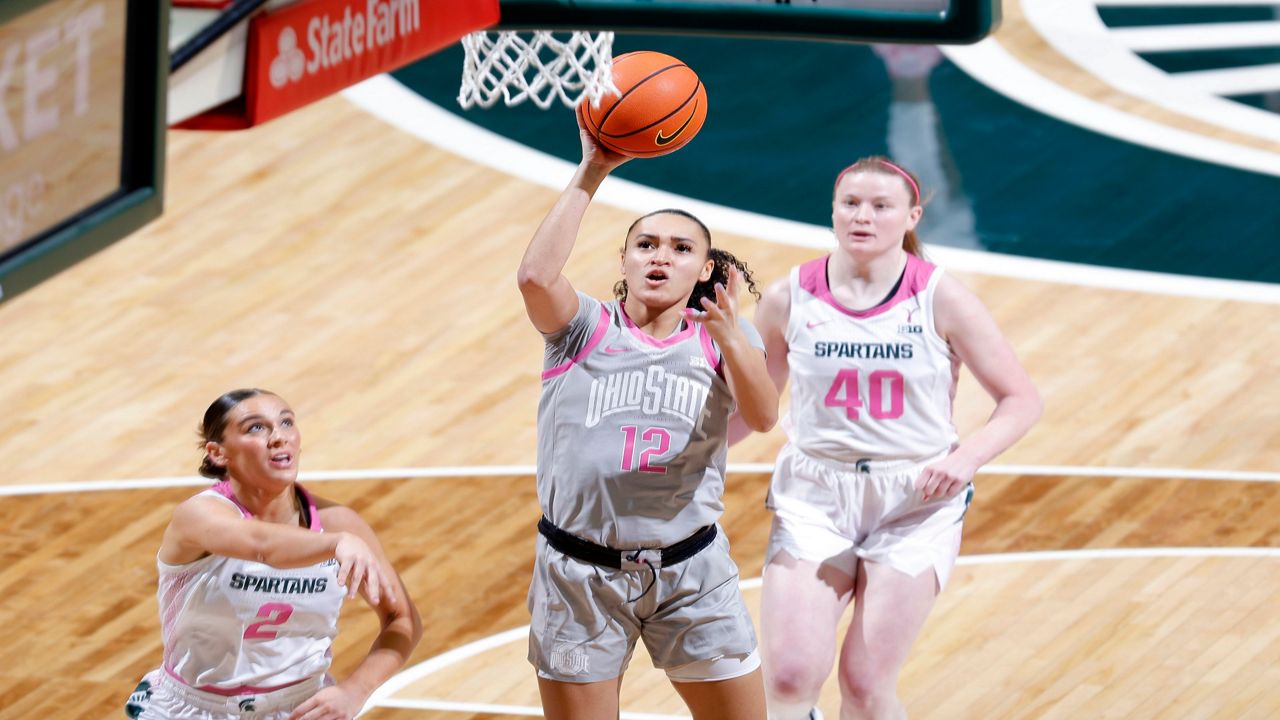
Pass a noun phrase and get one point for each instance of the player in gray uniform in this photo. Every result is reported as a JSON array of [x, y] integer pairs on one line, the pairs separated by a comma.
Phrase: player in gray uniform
[[632, 427]]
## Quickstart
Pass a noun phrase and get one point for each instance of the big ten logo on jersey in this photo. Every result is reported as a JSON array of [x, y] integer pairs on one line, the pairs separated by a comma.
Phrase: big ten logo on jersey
[[651, 391], [908, 328]]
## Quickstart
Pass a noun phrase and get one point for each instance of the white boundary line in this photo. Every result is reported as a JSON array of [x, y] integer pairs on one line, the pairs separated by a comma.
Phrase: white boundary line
[[382, 696], [1181, 3], [490, 471], [1206, 36], [1075, 30], [1232, 81], [525, 710], [402, 108], [991, 64]]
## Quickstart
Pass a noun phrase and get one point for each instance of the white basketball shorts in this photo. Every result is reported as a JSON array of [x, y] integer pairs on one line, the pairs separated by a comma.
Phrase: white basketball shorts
[[836, 514]]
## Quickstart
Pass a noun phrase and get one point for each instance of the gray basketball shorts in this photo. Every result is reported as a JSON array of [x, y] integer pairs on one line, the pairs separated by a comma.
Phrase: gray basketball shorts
[[586, 618]]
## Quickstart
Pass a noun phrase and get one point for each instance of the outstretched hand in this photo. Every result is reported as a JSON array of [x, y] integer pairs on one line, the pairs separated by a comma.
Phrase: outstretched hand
[[593, 153], [357, 564], [721, 316]]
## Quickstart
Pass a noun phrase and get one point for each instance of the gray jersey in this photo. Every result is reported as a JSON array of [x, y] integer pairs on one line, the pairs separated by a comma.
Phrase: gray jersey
[[631, 429]]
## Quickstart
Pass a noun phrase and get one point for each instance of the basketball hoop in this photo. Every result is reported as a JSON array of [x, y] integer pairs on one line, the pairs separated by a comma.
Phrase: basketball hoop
[[536, 66]]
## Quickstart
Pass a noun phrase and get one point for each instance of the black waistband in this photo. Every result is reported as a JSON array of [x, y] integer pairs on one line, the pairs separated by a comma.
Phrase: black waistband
[[576, 547]]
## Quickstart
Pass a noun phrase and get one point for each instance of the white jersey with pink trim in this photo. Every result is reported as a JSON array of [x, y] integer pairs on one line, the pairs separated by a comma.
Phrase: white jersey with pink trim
[[875, 384], [632, 430], [233, 626]]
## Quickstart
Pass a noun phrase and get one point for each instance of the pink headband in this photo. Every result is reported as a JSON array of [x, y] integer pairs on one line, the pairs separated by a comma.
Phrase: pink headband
[[910, 181]]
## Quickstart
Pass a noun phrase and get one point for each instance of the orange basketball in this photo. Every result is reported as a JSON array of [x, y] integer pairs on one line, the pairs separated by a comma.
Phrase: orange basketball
[[662, 106]]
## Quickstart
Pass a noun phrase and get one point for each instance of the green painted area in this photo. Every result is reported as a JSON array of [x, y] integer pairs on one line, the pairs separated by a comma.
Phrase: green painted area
[[786, 116], [1170, 14]]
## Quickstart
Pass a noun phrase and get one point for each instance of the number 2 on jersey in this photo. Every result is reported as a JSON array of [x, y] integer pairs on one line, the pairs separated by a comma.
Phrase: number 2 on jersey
[[847, 381], [661, 442], [273, 613]]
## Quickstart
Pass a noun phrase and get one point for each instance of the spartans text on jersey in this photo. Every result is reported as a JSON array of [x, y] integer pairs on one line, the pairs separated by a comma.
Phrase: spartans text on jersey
[[865, 351], [278, 585]]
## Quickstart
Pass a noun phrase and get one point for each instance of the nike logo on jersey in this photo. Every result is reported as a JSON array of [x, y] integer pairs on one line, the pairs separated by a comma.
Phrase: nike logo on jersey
[[612, 350], [815, 323]]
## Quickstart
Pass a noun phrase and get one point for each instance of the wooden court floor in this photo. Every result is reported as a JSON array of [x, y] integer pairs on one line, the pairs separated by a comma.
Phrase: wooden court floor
[[368, 278]]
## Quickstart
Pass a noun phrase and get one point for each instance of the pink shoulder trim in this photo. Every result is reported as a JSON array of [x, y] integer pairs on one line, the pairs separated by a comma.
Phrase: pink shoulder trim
[[813, 279], [601, 328], [223, 488], [709, 348], [647, 339]]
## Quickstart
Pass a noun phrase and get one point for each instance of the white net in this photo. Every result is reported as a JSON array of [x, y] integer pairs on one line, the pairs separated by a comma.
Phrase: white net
[[536, 66]]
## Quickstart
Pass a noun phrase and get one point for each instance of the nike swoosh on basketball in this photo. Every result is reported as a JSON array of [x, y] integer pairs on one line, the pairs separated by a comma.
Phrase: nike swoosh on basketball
[[668, 139], [615, 350]]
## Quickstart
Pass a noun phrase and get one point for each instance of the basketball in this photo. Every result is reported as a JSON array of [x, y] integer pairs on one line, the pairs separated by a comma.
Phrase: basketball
[[661, 107]]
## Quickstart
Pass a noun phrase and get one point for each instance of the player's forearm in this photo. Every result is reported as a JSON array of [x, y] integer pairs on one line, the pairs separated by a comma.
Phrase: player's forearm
[[738, 428], [1012, 418], [753, 390], [554, 239], [285, 546], [389, 652]]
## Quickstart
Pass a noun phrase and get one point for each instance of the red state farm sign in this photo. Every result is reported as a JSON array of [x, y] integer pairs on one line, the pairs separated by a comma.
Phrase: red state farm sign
[[312, 49]]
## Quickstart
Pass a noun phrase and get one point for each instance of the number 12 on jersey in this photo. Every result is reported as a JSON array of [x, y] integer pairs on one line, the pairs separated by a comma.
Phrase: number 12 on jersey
[[658, 440], [845, 392]]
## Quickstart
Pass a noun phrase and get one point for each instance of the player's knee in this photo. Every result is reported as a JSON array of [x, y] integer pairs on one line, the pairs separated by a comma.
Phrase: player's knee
[[794, 679], [866, 688]]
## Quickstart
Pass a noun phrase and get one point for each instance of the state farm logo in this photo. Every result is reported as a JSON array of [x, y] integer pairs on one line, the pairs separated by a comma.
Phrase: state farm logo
[[334, 41], [290, 62]]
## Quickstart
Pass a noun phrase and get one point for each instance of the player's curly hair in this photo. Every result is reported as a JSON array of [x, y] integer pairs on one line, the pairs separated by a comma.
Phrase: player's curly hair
[[723, 259]]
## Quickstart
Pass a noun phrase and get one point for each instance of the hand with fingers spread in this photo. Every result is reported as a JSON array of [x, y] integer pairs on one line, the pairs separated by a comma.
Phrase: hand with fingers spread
[[946, 478], [358, 565], [721, 316], [331, 703]]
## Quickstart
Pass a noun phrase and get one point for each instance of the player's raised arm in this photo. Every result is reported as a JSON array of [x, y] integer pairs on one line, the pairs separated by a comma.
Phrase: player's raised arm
[[772, 313], [549, 299]]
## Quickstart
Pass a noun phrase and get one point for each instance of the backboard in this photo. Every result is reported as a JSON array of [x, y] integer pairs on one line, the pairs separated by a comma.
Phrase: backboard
[[913, 21], [81, 130]]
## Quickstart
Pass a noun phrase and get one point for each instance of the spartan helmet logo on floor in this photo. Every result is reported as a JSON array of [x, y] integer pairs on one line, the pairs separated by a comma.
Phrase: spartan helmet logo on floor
[[246, 705]]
